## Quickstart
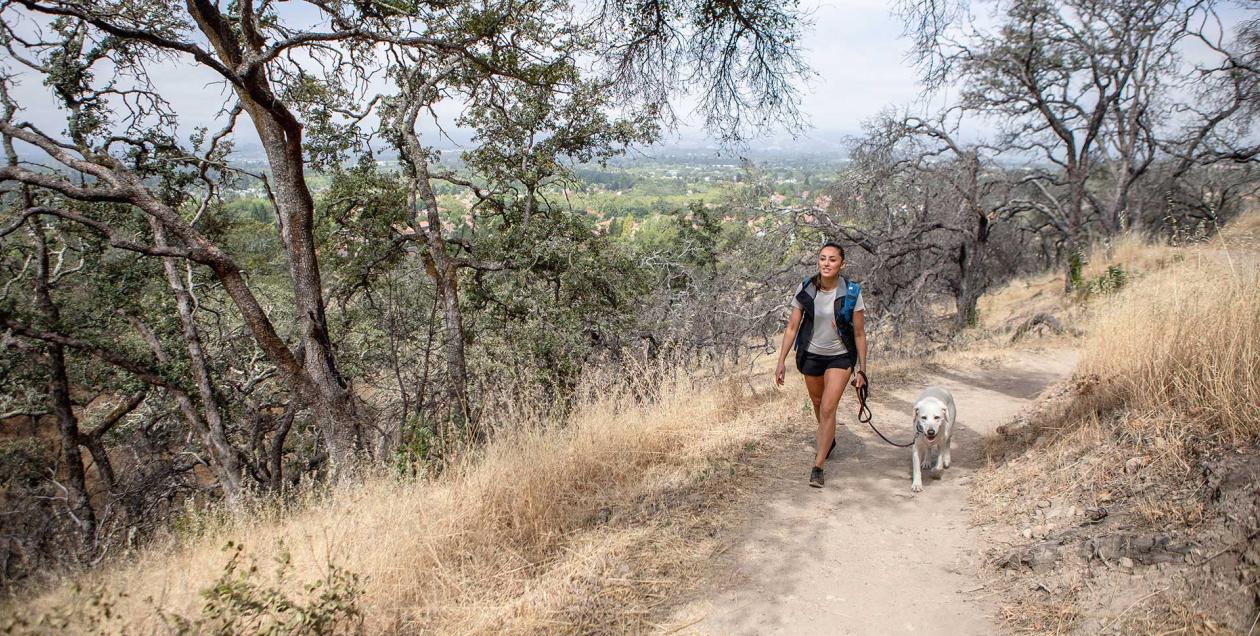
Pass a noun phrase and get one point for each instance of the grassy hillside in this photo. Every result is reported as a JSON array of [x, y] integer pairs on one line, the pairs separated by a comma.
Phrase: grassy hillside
[[1130, 496], [568, 529], [577, 526]]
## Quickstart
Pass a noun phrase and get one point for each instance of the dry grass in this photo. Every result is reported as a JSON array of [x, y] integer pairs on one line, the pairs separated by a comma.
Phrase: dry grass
[[1042, 616], [1171, 366], [1169, 378], [1244, 231], [1012, 304], [1170, 618], [586, 527], [1021, 299], [1186, 342]]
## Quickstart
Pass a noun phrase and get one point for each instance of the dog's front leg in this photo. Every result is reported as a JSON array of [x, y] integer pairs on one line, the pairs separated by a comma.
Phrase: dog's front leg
[[916, 474], [949, 433]]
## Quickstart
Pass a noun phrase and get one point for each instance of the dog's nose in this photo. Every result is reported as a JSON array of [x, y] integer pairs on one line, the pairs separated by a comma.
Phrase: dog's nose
[[931, 432]]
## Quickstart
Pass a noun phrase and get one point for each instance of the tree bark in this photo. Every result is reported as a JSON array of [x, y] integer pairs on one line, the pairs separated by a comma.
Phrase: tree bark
[[94, 440], [78, 500], [214, 432], [445, 279], [973, 253], [970, 286], [337, 410], [442, 268]]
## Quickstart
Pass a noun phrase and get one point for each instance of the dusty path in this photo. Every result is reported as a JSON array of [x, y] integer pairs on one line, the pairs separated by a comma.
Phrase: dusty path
[[864, 555]]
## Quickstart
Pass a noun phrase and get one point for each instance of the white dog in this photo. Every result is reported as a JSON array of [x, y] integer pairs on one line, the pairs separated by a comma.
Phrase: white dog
[[933, 425]]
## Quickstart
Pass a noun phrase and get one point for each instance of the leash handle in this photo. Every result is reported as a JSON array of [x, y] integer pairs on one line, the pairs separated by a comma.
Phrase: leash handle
[[864, 413], [862, 392]]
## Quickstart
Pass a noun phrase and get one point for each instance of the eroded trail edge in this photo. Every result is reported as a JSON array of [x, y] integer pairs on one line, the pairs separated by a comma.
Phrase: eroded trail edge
[[864, 555]]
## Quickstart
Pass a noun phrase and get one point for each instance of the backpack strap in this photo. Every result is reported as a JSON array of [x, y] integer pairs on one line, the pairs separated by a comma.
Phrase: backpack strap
[[851, 293]]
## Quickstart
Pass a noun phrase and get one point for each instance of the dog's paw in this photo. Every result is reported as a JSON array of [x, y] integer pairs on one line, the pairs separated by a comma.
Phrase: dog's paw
[[916, 487], [947, 463]]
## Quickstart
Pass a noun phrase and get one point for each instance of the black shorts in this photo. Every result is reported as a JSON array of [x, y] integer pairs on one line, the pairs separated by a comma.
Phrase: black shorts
[[814, 364]]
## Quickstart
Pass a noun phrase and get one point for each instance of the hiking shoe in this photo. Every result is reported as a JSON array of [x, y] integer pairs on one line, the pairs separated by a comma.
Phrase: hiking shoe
[[816, 477], [833, 447]]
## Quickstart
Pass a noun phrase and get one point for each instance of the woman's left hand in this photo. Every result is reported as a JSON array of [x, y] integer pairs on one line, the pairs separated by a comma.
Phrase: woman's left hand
[[859, 379]]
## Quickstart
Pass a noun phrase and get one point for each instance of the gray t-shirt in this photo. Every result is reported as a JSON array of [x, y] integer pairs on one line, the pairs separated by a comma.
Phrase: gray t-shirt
[[825, 341]]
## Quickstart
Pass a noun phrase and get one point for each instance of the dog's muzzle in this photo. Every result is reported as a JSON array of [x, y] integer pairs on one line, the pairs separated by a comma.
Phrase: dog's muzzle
[[931, 435]]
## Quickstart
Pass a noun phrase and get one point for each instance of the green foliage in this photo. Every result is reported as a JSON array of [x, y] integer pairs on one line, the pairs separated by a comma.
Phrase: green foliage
[[699, 230], [358, 219], [973, 319], [22, 463], [322, 103], [575, 295], [238, 602], [1075, 265], [417, 446], [1108, 282]]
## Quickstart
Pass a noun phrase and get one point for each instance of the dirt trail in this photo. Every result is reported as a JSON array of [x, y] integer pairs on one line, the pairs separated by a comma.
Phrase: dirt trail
[[864, 555]]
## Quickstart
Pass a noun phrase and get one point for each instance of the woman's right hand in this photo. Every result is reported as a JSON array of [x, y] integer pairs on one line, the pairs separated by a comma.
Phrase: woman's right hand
[[779, 373]]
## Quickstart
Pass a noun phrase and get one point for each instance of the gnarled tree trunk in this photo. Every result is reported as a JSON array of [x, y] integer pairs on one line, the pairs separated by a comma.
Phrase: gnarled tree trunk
[[78, 500]]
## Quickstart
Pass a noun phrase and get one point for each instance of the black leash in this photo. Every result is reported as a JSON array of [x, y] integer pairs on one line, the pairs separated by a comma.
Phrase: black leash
[[864, 413]]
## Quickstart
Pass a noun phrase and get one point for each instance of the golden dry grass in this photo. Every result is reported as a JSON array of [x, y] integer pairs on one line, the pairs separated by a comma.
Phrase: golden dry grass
[[1174, 617], [1187, 342], [1042, 616], [1244, 231], [1171, 364], [1021, 299], [1169, 374], [587, 527]]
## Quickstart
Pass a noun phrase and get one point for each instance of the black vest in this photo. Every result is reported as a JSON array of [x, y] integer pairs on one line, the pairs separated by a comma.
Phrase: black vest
[[844, 305]]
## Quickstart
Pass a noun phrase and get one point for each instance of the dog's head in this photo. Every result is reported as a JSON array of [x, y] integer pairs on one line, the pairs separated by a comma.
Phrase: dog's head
[[929, 418]]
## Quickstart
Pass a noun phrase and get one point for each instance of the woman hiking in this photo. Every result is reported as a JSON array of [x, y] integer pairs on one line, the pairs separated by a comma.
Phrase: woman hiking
[[828, 329]]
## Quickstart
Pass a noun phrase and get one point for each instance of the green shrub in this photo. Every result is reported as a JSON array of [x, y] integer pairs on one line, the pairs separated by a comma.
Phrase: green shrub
[[1075, 266], [1108, 282], [417, 446], [238, 602]]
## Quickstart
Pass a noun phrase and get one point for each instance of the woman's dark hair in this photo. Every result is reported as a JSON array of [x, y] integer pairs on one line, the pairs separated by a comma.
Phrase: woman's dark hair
[[816, 279], [834, 244]]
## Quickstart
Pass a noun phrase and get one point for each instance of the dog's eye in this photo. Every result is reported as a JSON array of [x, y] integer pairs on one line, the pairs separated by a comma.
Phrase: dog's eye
[[936, 417]]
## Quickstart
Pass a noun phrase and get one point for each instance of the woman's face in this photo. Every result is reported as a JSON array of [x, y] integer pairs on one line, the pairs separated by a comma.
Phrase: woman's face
[[829, 262]]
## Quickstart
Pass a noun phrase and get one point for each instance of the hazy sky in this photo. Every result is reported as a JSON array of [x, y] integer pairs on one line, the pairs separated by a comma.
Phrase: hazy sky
[[854, 47], [857, 52]]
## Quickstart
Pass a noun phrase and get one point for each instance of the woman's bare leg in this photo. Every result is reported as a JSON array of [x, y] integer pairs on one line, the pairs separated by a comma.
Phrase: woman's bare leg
[[834, 381], [815, 384]]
